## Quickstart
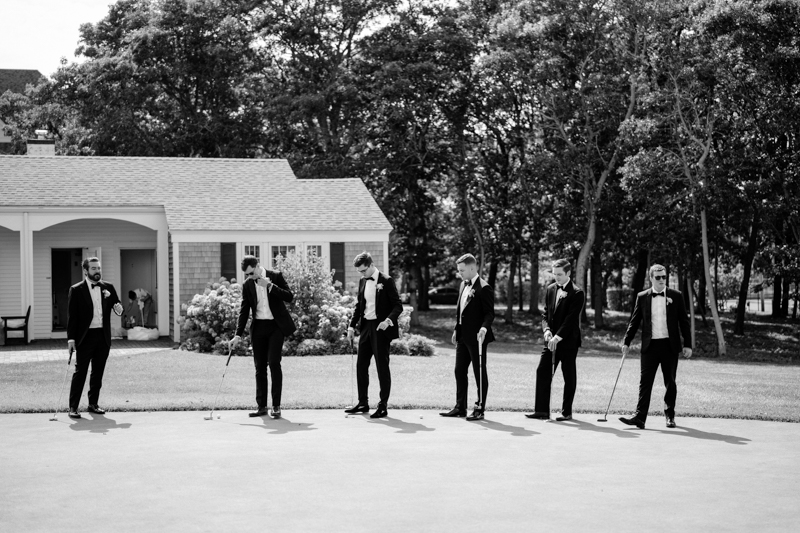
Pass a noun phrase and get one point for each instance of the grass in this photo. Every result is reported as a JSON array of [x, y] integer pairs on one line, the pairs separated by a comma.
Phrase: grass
[[179, 380]]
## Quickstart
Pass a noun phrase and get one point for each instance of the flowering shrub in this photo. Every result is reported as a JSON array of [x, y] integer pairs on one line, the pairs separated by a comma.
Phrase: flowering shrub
[[321, 314], [210, 319]]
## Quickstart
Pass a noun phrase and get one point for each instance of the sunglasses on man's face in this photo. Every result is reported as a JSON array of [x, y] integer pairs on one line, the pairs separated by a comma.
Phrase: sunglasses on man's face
[[659, 278]]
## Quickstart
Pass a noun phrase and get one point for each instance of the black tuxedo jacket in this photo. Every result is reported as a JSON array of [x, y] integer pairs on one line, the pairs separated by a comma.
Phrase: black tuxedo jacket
[[277, 295], [677, 321], [81, 310], [563, 318], [387, 305], [478, 313]]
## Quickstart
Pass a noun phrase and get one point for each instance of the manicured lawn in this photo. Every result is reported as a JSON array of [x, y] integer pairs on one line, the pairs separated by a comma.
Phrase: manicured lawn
[[178, 380]]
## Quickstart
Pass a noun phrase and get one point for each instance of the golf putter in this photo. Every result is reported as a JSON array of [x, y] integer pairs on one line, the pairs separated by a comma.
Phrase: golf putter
[[552, 377], [480, 376], [60, 394], [605, 416], [214, 405]]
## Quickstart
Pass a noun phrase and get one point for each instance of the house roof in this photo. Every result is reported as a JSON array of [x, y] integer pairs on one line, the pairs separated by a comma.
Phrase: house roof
[[15, 80], [196, 194]]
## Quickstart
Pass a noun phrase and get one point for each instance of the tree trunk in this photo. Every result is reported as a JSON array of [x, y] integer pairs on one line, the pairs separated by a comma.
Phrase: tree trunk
[[586, 296], [712, 298], [785, 301], [476, 231], [597, 289], [492, 281], [794, 305], [509, 318], [521, 287], [422, 292], [582, 265], [776, 296], [689, 297], [640, 276], [534, 303], [701, 300], [744, 288]]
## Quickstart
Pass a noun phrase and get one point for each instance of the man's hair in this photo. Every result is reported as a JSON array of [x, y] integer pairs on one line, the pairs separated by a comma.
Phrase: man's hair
[[249, 261], [362, 259], [89, 260], [657, 268], [467, 259], [563, 263], [132, 295]]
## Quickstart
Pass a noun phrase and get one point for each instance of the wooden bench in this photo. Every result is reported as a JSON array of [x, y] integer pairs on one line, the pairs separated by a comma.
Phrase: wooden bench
[[16, 323]]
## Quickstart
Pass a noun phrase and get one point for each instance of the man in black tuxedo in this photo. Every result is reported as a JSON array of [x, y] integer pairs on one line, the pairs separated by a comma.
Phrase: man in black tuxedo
[[265, 294], [563, 303], [662, 314], [89, 332], [378, 308], [472, 334]]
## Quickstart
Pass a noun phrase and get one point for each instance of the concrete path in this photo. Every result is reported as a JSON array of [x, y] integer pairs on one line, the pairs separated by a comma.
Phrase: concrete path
[[56, 350], [415, 471]]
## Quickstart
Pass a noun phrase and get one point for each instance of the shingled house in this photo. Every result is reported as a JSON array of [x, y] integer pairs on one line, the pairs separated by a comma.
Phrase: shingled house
[[167, 225]]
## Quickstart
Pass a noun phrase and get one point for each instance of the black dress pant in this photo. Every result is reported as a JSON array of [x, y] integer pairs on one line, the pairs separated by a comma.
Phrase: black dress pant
[[659, 352], [267, 339], [372, 342], [544, 378], [93, 349], [468, 353]]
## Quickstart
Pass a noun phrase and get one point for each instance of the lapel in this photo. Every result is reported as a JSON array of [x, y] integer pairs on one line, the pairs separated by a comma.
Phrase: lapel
[[474, 287], [568, 291], [648, 308]]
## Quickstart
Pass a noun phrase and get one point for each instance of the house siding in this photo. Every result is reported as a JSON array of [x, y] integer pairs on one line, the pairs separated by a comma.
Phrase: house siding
[[351, 250], [11, 295], [199, 264], [171, 290], [109, 234]]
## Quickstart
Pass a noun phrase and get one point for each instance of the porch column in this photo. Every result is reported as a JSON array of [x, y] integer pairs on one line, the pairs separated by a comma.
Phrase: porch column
[[162, 280], [176, 289], [26, 272], [386, 257]]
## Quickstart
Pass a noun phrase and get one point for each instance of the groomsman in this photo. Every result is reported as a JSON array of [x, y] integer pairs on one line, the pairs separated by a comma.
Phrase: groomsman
[[265, 294], [661, 313], [377, 310], [473, 332], [563, 303], [89, 332]]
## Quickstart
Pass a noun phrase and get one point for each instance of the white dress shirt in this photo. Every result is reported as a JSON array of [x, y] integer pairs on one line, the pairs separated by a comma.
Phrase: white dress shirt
[[97, 300], [658, 316], [465, 295], [371, 296], [263, 312]]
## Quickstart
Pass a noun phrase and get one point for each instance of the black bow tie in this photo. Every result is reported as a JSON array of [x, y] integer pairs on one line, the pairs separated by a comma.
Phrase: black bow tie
[[95, 285], [658, 294], [467, 282], [562, 287]]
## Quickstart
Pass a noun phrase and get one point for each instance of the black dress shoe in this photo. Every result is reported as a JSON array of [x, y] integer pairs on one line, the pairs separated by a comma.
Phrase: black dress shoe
[[671, 422], [477, 414], [539, 416], [96, 410], [73, 413], [633, 421], [261, 412], [455, 412], [358, 408], [380, 412], [566, 418], [276, 412]]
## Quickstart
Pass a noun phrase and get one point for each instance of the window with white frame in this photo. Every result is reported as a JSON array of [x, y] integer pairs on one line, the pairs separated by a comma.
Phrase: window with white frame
[[282, 250], [253, 249], [313, 250]]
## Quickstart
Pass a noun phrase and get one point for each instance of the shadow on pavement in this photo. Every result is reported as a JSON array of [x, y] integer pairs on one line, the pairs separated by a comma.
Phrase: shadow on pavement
[[516, 431], [587, 426], [97, 424], [281, 426], [683, 431], [403, 427]]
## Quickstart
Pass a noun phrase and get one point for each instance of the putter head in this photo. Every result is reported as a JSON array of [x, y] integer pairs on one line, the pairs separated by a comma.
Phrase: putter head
[[602, 420], [208, 418], [54, 419]]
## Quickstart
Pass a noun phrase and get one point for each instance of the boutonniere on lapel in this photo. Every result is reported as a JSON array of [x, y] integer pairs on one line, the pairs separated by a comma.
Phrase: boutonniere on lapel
[[669, 300], [472, 293], [106, 294], [379, 287], [561, 296]]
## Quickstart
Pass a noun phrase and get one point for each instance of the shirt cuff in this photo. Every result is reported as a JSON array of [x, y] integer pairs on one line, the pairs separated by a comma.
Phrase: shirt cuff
[[389, 320], [556, 337]]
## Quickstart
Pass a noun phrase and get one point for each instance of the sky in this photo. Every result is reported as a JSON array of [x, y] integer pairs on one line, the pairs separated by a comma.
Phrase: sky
[[38, 33]]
